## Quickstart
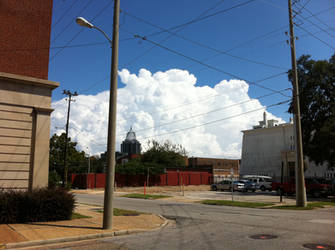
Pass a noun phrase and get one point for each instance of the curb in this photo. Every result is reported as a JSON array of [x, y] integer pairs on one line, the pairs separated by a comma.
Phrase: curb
[[79, 238]]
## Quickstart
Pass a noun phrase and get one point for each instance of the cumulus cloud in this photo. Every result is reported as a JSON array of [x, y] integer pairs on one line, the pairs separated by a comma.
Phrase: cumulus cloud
[[165, 106]]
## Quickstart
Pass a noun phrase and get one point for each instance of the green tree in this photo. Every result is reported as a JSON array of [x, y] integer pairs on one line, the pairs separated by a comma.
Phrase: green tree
[[317, 105], [97, 163], [158, 157], [77, 161], [137, 167], [165, 154]]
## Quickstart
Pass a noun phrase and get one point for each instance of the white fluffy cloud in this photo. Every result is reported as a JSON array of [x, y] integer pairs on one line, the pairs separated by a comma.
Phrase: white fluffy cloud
[[160, 104]]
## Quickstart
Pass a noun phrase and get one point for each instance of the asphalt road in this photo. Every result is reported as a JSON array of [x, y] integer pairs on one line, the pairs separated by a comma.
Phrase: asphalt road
[[197, 226]]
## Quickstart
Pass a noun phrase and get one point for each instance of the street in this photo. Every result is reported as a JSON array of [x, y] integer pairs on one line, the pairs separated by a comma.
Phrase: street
[[197, 226]]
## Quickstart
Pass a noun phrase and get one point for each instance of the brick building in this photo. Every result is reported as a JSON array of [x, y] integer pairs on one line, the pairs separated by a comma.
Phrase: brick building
[[25, 37], [221, 167], [25, 93]]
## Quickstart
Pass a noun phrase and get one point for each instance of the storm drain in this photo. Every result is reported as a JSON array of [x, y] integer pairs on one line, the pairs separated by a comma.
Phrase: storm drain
[[263, 236], [318, 246]]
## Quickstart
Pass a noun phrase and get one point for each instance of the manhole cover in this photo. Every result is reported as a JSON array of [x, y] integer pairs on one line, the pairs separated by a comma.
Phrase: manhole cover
[[319, 246], [263, 236]]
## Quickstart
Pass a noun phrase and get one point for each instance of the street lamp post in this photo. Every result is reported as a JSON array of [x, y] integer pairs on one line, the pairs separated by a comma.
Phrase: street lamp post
[[110, 173]]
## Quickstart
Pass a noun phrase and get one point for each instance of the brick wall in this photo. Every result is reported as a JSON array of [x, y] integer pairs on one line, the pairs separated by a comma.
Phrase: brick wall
[[25, 37]]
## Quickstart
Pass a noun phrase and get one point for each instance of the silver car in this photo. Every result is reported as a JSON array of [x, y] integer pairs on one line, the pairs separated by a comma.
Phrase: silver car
[[227, 185], [222, 185], [239, 186]]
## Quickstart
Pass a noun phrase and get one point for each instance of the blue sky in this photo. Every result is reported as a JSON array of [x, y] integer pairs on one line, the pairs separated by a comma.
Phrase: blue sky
[[253, 31]]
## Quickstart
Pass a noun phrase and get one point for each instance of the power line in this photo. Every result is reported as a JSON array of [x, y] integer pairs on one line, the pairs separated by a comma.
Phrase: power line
[[314, 24], [166, 38], [201, 44], [207, 98], [300, 36], [300, 27], [211, 111], [55, 47], [211, 122], [62, 46], [201, 18], [64, 14], [96, 83], [81, 30], [71, 22], [209, 66], [216, 121], [277, 29], [302, 6], [315, 16]]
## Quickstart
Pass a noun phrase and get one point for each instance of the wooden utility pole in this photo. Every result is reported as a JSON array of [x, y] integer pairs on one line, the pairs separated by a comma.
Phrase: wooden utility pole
[[69, 94], [299, 158]]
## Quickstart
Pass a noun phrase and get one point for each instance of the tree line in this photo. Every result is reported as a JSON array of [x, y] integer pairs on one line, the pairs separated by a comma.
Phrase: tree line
[[156, 159]]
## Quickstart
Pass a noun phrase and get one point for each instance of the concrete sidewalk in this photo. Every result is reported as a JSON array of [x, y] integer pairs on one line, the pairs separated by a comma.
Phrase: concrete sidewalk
[[34, 234]]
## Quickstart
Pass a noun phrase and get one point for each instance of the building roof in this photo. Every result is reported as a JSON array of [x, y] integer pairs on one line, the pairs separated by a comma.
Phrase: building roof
[[267, 124], [131, 136], [261, 130]]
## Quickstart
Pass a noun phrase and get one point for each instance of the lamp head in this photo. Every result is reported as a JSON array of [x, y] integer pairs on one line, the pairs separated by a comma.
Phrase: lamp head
[[83, 22]]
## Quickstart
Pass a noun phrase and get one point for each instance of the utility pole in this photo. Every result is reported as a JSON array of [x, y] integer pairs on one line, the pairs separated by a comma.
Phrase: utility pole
[[69, 94], [299, 159], [110, 174]]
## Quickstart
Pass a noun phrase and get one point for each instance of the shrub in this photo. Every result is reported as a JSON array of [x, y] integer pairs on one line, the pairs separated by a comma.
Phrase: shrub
[[39, 205]]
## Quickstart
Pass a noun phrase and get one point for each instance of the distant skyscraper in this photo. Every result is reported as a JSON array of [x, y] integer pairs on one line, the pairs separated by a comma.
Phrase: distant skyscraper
[[130, 145]]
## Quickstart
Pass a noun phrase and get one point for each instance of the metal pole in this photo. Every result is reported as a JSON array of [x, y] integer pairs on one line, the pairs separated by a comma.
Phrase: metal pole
[[299, 166], [232, 184], [281, 181], [148, 177], [110, 174]]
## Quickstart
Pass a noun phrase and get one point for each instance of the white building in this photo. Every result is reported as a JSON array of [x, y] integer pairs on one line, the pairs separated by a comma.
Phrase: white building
[[268, 146]]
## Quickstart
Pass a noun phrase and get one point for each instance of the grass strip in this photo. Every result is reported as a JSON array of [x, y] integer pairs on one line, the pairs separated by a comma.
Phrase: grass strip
[[147, 196], [310, 206], [123, 212], [79, 216], [236, 203]]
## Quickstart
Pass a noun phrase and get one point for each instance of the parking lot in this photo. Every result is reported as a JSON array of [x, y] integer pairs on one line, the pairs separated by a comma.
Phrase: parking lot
[[258, 196], [198, 193]]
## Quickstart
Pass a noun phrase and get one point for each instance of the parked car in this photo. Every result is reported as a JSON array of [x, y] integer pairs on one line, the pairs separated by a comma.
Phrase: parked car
[[313, 187], [222, 185], [239, 186], [249, 186], [262, 182]]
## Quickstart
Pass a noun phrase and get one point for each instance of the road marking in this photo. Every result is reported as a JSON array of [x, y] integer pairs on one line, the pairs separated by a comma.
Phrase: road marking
[[323, 221]]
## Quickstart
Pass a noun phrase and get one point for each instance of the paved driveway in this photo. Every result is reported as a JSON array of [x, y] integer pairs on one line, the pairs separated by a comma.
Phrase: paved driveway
[[197, 226]]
